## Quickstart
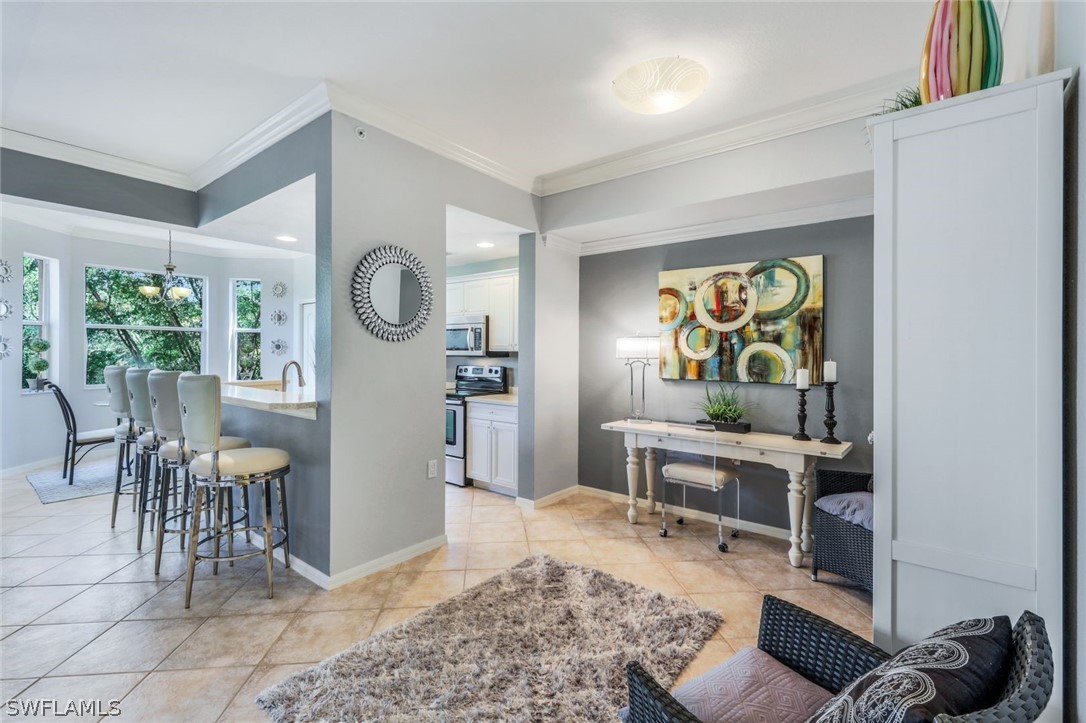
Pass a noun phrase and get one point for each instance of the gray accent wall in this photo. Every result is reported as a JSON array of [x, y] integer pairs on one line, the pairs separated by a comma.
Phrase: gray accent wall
[[526, 370], [45, 179], [619, 298]]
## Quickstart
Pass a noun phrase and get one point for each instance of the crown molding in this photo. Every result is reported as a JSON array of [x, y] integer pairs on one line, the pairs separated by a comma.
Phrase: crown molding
[[412, 132], [305, 109], [858, 102], [851, 208], [57, 151], [560, 243]]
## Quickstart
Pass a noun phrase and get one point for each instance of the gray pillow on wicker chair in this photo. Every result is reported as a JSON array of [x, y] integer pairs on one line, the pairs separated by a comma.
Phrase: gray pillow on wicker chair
[[750, 687], [855, 507], [960, 669]]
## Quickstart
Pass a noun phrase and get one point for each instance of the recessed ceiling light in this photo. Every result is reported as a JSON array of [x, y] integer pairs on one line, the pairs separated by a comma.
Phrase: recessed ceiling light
[[660, 85], [287, 239], [485, 245]]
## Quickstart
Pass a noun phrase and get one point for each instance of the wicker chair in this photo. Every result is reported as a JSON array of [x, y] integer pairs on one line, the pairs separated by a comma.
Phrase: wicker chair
[[841, 547], [832, 657]]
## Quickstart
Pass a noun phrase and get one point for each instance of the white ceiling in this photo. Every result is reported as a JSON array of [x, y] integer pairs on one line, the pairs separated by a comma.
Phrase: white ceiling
[[246, 233], [527, 85], [464, 230]]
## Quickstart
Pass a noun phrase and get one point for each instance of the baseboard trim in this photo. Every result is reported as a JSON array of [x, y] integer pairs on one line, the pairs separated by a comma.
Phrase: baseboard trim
[[755, 527], [383, 563], [299, 566], [93, 456], [548, 500]]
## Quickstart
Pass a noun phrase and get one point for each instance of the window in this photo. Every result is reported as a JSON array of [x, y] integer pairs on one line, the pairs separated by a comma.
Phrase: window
[[35, 312], [245, 330], [125, 327]]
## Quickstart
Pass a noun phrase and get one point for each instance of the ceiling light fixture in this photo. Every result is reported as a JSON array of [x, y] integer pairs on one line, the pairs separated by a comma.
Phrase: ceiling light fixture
[[173, 290], [285, 238], [485, 245], [660, 85]]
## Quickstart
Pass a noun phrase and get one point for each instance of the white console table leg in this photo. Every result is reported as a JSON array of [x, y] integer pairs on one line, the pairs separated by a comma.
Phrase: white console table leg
[[650, 478], [633, 462], [795, 516], [808, 508]]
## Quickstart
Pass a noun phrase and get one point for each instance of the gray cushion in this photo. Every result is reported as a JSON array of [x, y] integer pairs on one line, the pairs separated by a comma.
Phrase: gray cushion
[[855, 507], [750, 687]]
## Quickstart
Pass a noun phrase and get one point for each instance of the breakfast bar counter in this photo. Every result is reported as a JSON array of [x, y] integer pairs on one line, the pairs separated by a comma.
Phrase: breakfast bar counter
[[295, 401]]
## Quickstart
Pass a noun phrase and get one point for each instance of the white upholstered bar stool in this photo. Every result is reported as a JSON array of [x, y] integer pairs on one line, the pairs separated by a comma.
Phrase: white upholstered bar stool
[[709, 476], [125, 433], [174, 454], [139, 398], [215, 469]]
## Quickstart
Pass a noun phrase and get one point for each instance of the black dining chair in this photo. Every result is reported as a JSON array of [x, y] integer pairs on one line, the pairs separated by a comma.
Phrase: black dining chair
[[74, 440]]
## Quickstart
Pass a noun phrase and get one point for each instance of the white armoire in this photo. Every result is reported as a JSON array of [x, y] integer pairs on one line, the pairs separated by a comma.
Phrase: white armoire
[[969, 362]]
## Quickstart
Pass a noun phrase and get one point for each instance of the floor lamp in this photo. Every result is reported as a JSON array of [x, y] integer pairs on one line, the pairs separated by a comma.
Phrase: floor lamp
[[637, 350]]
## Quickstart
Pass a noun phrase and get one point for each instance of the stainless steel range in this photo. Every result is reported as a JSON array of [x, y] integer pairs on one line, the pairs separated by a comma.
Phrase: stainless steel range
[[471, 381]]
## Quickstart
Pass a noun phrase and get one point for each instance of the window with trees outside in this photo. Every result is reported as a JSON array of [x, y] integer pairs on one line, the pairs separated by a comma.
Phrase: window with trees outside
[[35, 316], [125, 327], [246, 330]]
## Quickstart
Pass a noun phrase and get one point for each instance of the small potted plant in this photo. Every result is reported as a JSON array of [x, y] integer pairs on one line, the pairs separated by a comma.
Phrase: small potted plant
[[38, 365], [724, 410]]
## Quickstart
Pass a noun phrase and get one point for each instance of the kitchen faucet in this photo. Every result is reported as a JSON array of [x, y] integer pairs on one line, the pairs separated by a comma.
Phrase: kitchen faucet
[[286, 368]]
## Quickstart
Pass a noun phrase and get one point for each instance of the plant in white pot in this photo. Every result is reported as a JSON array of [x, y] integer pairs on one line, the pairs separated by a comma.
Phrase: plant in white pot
[[38, 365], [724, 410]]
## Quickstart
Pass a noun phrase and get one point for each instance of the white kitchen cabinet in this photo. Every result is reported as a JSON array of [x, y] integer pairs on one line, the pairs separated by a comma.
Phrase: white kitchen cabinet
[[502, 309], [465, 298], [494, 296], [492, 446], [968, 212]]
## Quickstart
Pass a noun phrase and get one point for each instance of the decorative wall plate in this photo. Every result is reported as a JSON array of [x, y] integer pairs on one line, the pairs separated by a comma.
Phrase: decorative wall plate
[[279, 289], [5, 347], [419, 308], [5, 309], [278, 317], [279, 347], [6, 272]]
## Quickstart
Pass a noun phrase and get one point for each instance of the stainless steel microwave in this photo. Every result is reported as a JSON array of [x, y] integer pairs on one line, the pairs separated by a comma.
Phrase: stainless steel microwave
[[465, 336]]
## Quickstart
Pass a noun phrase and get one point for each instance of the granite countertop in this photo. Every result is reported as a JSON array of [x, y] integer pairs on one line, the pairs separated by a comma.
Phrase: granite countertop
[[508, 400], [295, 401]]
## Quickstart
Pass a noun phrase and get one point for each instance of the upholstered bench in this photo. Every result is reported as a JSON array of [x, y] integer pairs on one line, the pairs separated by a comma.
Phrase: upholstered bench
[[806, 668]]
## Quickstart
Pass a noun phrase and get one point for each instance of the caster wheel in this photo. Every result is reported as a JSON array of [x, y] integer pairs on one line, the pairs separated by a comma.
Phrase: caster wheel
[[735, 533], [680, 521], [723, 547], [663, 533]]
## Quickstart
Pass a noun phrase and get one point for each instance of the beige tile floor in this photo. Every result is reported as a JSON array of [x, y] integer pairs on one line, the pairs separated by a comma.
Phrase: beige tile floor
[[82, 614]]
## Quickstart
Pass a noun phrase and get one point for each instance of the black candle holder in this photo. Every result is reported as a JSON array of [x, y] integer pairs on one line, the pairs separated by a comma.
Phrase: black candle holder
[[802, 435], [831, 421]]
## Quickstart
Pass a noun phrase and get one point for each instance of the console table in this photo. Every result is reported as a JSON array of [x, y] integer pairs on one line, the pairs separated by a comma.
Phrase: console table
[[777, 450]]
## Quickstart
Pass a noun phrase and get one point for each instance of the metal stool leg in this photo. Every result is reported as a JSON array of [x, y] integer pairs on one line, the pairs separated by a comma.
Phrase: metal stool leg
[[117, 487], [194, 541], [269, 534], [282, 483], [720, 544], [230, 524], [738, 489], [217, 530], [160, 532], [141, 497], [663, 507]]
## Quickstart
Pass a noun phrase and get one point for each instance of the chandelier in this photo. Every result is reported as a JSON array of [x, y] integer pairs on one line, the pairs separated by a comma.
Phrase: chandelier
[[173, 290]]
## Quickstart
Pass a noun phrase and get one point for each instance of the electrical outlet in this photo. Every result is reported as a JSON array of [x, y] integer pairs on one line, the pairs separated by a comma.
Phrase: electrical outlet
[[431, 469]]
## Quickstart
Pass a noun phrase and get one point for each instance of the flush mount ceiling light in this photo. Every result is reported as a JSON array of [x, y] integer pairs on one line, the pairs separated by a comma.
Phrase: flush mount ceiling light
[[285, 238], [660, 85], [485, 245]]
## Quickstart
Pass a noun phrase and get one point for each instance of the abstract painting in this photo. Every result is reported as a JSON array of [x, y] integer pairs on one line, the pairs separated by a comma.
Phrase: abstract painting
[[749, 322]]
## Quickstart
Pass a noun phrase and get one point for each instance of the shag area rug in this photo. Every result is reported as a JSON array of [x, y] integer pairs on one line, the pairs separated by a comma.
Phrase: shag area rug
[[91, 478], [546, 640]]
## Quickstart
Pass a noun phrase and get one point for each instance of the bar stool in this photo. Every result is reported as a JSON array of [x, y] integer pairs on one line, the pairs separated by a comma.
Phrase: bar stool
[[173, 458], [125, 434], [704, 475], [215, 469], [139, 399]]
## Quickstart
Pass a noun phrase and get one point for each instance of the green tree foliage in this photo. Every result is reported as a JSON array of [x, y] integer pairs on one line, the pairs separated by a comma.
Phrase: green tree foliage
[[247, 309], [31, 312], [113, 297]]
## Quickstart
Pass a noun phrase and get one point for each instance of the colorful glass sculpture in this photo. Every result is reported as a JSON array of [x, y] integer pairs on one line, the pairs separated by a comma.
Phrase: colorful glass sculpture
[[963, 50]]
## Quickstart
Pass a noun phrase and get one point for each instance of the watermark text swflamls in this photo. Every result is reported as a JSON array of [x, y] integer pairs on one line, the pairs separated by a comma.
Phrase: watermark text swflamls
[[35, 707]]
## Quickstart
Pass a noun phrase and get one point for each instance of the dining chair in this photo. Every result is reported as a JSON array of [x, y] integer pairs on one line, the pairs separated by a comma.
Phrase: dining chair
[[74, 440]]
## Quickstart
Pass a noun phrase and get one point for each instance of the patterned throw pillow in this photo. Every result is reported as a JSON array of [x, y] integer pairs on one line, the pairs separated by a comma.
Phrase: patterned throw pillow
[[960, 669]]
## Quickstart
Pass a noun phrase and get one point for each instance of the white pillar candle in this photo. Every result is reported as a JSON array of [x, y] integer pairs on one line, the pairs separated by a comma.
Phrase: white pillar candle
[[829, 371], [803, 379]]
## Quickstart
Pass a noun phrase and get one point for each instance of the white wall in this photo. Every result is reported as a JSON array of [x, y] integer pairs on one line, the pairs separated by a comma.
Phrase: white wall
[[557, 350], [389, 410], [38, 434]]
